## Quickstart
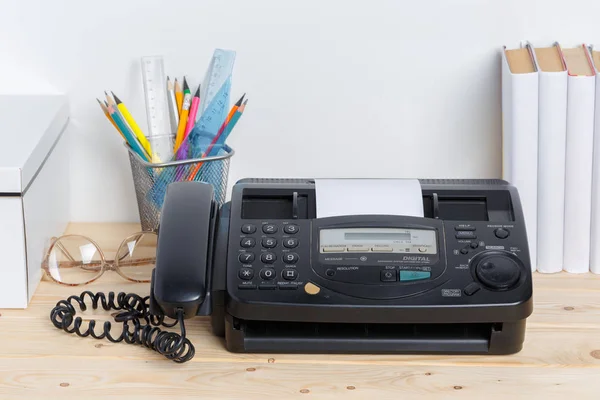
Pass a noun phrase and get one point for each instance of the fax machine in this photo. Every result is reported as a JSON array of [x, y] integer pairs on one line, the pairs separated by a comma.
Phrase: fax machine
[[277, 278]]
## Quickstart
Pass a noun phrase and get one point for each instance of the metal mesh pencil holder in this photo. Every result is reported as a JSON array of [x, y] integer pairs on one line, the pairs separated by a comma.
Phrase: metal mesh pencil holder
[[151, 180]]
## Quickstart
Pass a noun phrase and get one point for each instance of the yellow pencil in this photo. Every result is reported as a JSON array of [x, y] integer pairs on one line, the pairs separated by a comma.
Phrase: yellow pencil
[[112, 121], [185, 109], [134, 126], [178, 96]]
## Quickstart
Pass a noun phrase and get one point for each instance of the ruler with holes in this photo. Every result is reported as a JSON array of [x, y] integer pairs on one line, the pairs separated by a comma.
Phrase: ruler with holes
[[160, 135]]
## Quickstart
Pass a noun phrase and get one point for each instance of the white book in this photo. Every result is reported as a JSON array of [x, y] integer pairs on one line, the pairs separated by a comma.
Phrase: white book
[[595, 229], [552, 117], [520, 133], [578, 162]]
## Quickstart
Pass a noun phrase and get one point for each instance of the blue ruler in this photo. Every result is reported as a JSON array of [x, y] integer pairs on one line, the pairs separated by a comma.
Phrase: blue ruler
[[219, 71], [210, 122]]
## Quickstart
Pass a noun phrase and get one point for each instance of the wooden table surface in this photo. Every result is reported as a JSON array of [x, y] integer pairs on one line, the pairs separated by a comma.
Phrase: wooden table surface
[[560, 358]]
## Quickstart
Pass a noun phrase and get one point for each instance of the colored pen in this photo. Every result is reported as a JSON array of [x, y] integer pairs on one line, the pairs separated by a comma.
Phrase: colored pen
[[185, 145], [133, 125], [105, 109], [111, 102], [178, 97], [234, 120], [193, 112], [129, 136], [173, 111], [185, 109], [230, 118], [235, 107]]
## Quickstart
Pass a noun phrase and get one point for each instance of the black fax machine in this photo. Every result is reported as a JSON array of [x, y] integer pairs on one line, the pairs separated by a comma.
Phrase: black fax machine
[[277, 278]]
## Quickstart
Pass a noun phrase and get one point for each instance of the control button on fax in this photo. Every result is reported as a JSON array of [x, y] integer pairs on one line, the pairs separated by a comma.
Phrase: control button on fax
[[472, 288], [353, 248], [465, 235], [502, 233], [246, 274], [388, 275], [464, 228], [414, 275], [333, 249], [382, 249], [289, 274]]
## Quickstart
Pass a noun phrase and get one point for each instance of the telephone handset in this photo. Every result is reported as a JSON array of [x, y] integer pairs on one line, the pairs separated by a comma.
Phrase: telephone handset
[[182, 276], [181, 281]]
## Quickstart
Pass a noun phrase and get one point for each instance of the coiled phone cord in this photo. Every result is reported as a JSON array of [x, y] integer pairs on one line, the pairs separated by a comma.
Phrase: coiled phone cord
[[135, 309]]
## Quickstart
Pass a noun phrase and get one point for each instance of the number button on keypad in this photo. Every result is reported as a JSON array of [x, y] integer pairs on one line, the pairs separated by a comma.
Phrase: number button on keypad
[[248, 228], [268, 258], [291, 229], [269, 243], [248, 243], [290, 243], [246, 258], [290, 258], [269, 228], [267, 273]]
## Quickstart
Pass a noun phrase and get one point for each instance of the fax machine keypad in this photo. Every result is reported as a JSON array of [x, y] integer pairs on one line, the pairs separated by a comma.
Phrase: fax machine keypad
[[270, 254]]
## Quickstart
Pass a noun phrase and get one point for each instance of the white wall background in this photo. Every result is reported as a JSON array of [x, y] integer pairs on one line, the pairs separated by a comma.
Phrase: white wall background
[[337, 89]]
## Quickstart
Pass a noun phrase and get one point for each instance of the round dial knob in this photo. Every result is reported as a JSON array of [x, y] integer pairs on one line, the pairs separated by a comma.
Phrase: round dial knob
[[498, 270]]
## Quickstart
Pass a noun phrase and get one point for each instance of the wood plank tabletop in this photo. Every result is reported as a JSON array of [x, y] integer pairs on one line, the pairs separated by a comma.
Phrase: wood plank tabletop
[[560, 358]]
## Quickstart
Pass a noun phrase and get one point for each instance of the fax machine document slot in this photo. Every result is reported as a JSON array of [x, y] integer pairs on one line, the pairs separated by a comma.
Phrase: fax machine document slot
[[276, 278]]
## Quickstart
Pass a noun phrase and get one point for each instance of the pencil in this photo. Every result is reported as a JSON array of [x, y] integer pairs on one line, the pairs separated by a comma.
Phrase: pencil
[[133, 125], [173, 111], [185, 109], [186, 90], [234, 120], [191, 121], [111, 102], [178, 97], [238, 108], [193, 112], [129, 136], [112, 121]]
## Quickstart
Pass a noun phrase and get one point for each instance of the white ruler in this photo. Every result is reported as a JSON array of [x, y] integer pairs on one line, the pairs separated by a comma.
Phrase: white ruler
[[160, 134]]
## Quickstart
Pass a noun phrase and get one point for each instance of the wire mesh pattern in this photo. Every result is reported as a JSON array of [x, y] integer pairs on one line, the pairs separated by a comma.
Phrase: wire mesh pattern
[[151, 180]]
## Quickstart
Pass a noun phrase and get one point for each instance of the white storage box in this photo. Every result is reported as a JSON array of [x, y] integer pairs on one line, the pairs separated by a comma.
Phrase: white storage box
[[34, 189]]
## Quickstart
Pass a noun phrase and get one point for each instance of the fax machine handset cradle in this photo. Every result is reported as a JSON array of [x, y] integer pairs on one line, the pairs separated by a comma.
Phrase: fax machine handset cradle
[[181, 278]]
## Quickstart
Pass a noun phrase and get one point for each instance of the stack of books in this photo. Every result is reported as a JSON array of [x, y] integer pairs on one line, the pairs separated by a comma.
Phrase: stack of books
[[551, 151]]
